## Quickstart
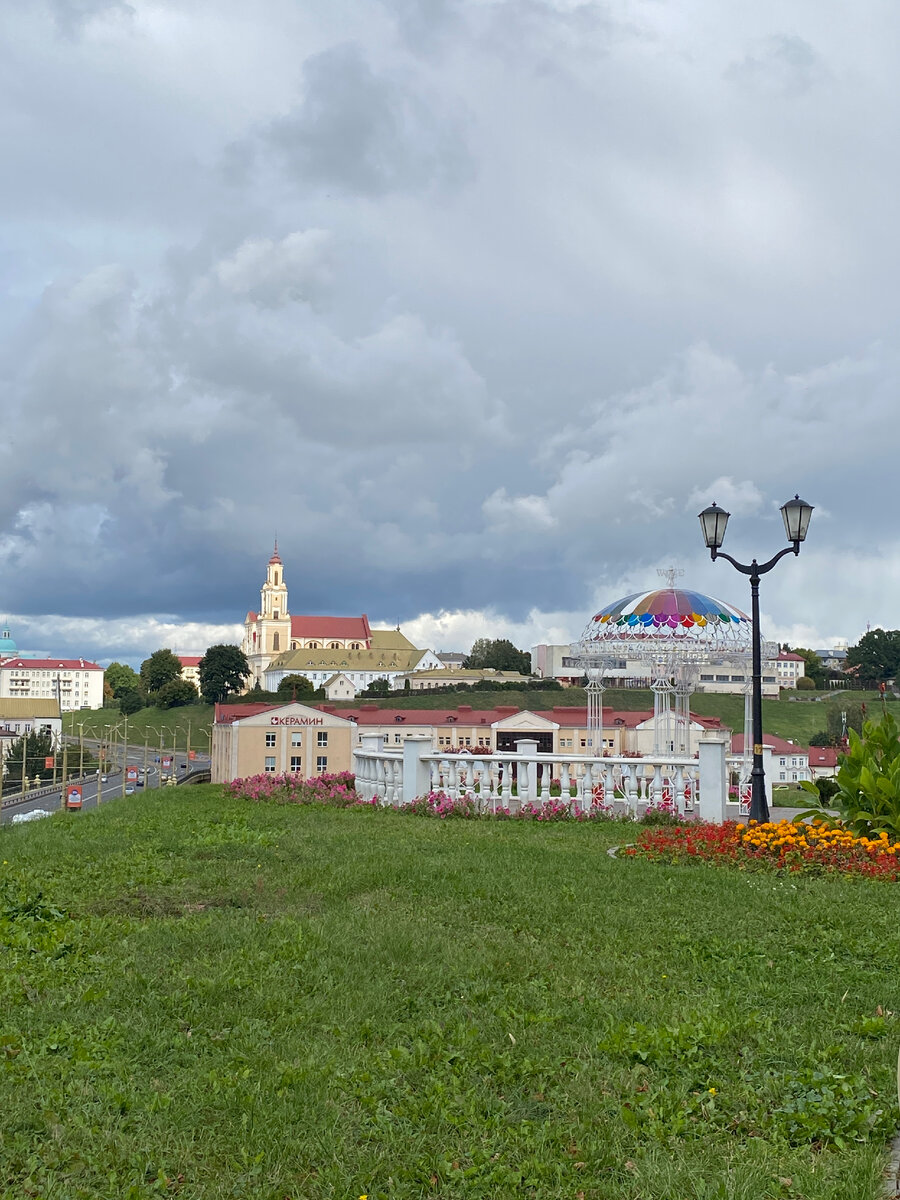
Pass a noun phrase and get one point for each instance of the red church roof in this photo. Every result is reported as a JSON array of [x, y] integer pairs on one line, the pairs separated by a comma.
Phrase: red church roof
[[354, 628], [190, 660]]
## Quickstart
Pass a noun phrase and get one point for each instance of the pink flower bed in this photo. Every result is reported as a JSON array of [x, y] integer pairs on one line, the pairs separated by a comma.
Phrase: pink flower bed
[[338, 790], [439, 804]]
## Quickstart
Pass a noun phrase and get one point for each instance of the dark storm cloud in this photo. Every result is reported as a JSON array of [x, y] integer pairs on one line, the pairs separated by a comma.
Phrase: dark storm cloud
[[473, 304], [365, 133]]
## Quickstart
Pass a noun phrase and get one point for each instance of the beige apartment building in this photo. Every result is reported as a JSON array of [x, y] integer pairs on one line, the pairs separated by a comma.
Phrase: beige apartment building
[[73, 682], [257, 739]]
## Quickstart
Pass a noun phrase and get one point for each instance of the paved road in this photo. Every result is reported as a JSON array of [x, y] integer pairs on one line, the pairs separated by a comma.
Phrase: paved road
[[112, 788]]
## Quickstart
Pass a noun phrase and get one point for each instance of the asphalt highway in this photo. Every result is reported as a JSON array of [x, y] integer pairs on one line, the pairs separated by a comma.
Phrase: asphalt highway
[[112, 789]]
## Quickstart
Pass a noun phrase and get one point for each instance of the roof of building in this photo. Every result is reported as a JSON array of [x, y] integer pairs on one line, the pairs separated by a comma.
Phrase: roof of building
[[389, 639], [7, 644], [307, 659], [335, 677], [190, 660], [65, 664], [471, 673], [779, 745], [21, 708], [276, 557], [823, 756], [354, 628], [786, 656], [370, 713]]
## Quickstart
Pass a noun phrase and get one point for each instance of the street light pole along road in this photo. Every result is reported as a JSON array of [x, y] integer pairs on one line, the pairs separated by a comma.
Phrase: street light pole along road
[[796, 514]]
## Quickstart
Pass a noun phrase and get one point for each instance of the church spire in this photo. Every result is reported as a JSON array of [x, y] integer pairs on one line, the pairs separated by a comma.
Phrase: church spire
[[276, 557]]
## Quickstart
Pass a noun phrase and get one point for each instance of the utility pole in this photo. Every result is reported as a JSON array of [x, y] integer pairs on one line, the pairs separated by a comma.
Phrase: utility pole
[[24, 761], [65, 771], [188, 763], [81, 751], [146, 756], [125, 754]]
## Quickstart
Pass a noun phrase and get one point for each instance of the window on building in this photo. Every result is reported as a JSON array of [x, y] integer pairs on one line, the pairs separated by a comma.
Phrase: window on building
[[270, 739], [737, 679], [583, 742], [275, 641], [295, 762], [275, 614], [296, 739], [270, 762], [794, 776], [322, 763], [782, 762], [781, 776], [397, 737], [321, 738], [722, 679]]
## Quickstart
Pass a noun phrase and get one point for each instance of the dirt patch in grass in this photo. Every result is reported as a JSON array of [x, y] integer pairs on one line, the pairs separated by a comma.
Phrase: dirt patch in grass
[[146, 906]]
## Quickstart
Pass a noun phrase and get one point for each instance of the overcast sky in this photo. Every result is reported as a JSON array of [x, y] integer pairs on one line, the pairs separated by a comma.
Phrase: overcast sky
[[473, 303]]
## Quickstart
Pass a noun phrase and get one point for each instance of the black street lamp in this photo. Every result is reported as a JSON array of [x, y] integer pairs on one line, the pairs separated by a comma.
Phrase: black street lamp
[[796, 514]]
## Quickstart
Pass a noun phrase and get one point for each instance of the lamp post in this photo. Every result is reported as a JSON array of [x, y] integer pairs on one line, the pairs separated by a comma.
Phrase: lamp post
[[713, 520]]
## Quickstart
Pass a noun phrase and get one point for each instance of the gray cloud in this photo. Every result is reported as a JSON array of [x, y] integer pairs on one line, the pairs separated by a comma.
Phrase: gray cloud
[[474, 305], [367, 133]]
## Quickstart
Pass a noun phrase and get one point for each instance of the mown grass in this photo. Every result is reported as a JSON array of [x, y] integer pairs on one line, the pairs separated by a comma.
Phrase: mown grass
[[215, 999]]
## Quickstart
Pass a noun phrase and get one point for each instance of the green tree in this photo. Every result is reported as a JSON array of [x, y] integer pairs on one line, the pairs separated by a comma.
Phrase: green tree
[[876, 656], [295, 687], [130, 701], [121, 678], [377, 688], [824, 738], [223, 669], [498, 654], [37, 748], [176, 693], [856, 715], [156, 671]]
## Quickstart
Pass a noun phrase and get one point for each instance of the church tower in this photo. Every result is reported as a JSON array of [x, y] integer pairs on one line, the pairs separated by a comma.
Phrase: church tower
[[268, 632]]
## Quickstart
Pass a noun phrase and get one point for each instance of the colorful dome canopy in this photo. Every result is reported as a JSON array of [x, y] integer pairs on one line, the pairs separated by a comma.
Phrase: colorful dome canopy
[[669, 608], [667, 621]]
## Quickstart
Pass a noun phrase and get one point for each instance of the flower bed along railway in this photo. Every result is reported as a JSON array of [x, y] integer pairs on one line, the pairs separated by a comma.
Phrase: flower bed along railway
[[808, 848]]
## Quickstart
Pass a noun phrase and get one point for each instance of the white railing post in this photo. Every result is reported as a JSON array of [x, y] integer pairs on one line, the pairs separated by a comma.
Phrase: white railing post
[[415, 779], [529, 747], [713, 780]]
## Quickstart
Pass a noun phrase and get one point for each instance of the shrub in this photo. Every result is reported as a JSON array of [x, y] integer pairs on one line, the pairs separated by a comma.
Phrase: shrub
[[805, 684], [867, 795]]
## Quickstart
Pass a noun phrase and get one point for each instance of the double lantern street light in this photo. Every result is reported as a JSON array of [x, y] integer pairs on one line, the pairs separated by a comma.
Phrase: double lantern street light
[[713, 520]]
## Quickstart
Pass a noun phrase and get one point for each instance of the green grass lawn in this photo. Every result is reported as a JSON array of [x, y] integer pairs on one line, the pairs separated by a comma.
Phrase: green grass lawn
[[206, 998], [147, 724]]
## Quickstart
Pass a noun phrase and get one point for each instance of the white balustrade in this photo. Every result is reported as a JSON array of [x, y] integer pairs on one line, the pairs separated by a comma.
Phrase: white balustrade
[[508, 780]]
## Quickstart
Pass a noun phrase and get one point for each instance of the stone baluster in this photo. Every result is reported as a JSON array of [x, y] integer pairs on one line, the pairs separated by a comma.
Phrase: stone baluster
[[656, 786], [564, 785], [629, 773], [546, 778], [587, 787], [506, 783]]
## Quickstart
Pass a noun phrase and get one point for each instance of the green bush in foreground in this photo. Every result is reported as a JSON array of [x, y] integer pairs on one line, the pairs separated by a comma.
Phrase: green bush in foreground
[[208, 998]]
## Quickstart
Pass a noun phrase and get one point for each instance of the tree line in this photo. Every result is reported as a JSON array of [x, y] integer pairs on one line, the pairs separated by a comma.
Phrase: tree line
[[222, 670]]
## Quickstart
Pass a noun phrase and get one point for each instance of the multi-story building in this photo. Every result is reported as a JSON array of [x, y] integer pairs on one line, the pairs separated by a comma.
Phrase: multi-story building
[[22, 715], [428, 680], [715, 675], [73, 682], [190, 668], [789, 668]]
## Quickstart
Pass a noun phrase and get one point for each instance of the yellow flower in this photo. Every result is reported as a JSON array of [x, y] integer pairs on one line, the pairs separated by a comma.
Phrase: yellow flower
[[712, 1091]]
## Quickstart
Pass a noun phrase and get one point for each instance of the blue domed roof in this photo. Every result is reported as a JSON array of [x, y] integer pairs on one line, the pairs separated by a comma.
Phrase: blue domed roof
[[7, 645]]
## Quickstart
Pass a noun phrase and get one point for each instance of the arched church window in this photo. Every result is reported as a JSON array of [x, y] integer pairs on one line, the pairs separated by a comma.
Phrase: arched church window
[[334, 645], [313, 645], [275, 640]]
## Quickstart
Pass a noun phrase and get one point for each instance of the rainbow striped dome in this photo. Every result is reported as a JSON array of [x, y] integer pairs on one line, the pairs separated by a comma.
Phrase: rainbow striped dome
[[666, 609]]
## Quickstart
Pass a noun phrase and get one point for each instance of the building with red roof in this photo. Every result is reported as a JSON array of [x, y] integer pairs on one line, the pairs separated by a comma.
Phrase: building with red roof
[[559, 730], [73, 682]]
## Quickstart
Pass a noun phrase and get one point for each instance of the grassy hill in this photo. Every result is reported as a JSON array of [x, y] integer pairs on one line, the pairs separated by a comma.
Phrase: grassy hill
[[795, 719], [147, 724], [207, 998]]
